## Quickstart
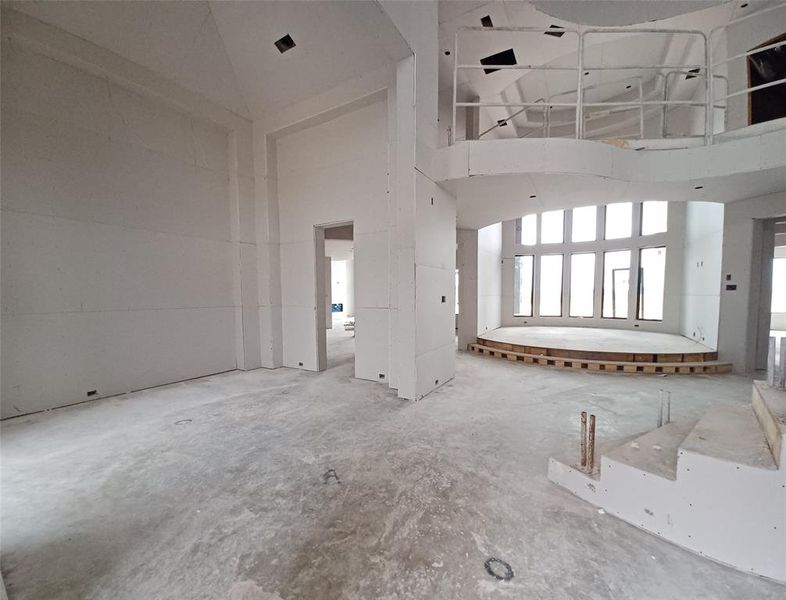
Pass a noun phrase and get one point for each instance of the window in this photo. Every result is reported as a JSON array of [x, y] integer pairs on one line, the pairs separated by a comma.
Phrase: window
[[583, 229], [523, 286], [616, 278], [779, 285], [653, 216], [551, 285], [552, 227], [582, 285], [529, 230], [619, 220], [652, 272]]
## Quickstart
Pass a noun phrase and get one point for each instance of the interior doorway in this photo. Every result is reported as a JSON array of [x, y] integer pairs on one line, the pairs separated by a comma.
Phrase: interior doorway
[[335, 258], [771, 305]]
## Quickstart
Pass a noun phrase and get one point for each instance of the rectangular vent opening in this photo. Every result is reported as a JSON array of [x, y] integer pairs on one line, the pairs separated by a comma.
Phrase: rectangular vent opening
[[285, 43], [506, 57], [486, 21], [556, 34]]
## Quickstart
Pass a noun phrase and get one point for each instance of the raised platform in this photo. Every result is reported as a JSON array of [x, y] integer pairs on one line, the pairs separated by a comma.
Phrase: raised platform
[[598, 349]]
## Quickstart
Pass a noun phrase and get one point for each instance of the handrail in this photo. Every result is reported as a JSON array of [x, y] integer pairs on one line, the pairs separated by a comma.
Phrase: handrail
[[705, 70]]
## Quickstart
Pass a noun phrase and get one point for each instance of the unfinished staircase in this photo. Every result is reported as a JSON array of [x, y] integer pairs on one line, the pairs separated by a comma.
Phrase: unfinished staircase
[[716, 485]]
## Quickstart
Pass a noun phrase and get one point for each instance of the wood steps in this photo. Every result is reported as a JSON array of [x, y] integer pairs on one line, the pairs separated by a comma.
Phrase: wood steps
[[605, 365]]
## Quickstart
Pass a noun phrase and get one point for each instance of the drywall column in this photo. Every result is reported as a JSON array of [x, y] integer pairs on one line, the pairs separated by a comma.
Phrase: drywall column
[[425, 223], [467, 262], [489, 278], [349, 301], [702, 272], [268, 249], [740, 293]]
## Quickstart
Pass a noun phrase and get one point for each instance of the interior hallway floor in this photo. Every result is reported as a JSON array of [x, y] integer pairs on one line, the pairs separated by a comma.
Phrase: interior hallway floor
[[289, 484]]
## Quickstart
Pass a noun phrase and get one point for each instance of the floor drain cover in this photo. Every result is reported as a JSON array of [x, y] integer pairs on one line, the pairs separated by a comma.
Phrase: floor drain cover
[[499, 569]]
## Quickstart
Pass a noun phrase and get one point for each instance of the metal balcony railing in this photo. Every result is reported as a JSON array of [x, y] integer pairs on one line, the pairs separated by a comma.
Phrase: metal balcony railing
[[573, 102]]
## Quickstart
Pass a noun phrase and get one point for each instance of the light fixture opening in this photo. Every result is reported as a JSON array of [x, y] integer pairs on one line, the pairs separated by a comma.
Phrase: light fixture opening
[[285, 43]]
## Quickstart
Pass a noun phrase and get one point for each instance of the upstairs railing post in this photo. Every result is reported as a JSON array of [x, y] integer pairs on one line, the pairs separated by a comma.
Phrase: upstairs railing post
[[455, 85], [579, 88], [709, 93]]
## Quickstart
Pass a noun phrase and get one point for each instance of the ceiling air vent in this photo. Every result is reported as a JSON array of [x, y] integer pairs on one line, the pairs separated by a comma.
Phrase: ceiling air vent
[[486, 21], [506, 57], [285, 43], [692, 74], [554, 33]]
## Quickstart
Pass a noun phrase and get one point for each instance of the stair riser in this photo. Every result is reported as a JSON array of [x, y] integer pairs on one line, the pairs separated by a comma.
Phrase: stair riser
[[769, 424]]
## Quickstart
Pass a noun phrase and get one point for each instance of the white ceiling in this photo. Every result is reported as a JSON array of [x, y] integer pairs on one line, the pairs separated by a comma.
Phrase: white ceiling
[[225, 50], [177, 40], [336, 40], [612, 13]]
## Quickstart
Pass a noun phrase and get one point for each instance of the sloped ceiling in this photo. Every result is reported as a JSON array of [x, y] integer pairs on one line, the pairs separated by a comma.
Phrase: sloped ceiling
[[225, 50], [335, 41], [177, 40]]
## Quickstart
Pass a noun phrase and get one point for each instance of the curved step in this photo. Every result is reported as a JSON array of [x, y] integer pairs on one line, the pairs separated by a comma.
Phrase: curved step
[[615, 366]]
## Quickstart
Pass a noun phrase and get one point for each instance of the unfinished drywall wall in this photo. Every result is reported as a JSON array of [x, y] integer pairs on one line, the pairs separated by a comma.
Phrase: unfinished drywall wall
[[702, 272], [741, 273], [489, 278], [334, 172], [122, 261]]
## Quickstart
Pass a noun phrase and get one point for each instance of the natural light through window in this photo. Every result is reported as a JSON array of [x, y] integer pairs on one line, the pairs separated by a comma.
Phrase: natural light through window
[[652, 272], [551, 285], [552, 227], [583, 229], [619, 220], [529, 230], [582, 284], [779, 285], [523, 284], [654, 214], [616, 277]]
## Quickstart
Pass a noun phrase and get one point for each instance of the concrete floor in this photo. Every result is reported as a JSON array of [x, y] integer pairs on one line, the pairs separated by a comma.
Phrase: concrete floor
[[287, 484], [596, 339]]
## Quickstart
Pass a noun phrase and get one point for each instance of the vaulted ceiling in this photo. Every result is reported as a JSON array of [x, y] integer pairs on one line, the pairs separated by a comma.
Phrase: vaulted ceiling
[[225, 50]]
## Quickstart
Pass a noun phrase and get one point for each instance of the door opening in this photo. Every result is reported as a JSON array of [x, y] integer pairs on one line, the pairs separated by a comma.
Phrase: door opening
[[335, 295]]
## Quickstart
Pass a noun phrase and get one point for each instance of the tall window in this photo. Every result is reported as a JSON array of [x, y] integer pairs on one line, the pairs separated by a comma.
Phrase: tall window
[[523, 273], [552, 227], [609, 266], [583, 224], [551, 285], [652, 273], [616, 282], [779, 285], [654, 214], [529, 230], [582, 285], [619, 220]]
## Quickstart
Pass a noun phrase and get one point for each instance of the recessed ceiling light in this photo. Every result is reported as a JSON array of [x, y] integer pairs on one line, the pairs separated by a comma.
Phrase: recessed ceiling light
[[486, 21], [533, 196], [554, 33], [627, 87], [586, 72], [502, 122], [744, 5], [698, 187], [285, 43], [447, 52], [692, 74], [506, 57]]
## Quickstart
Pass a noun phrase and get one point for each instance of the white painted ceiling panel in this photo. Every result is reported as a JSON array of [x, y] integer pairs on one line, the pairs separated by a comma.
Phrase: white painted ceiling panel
[[178, 40]]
